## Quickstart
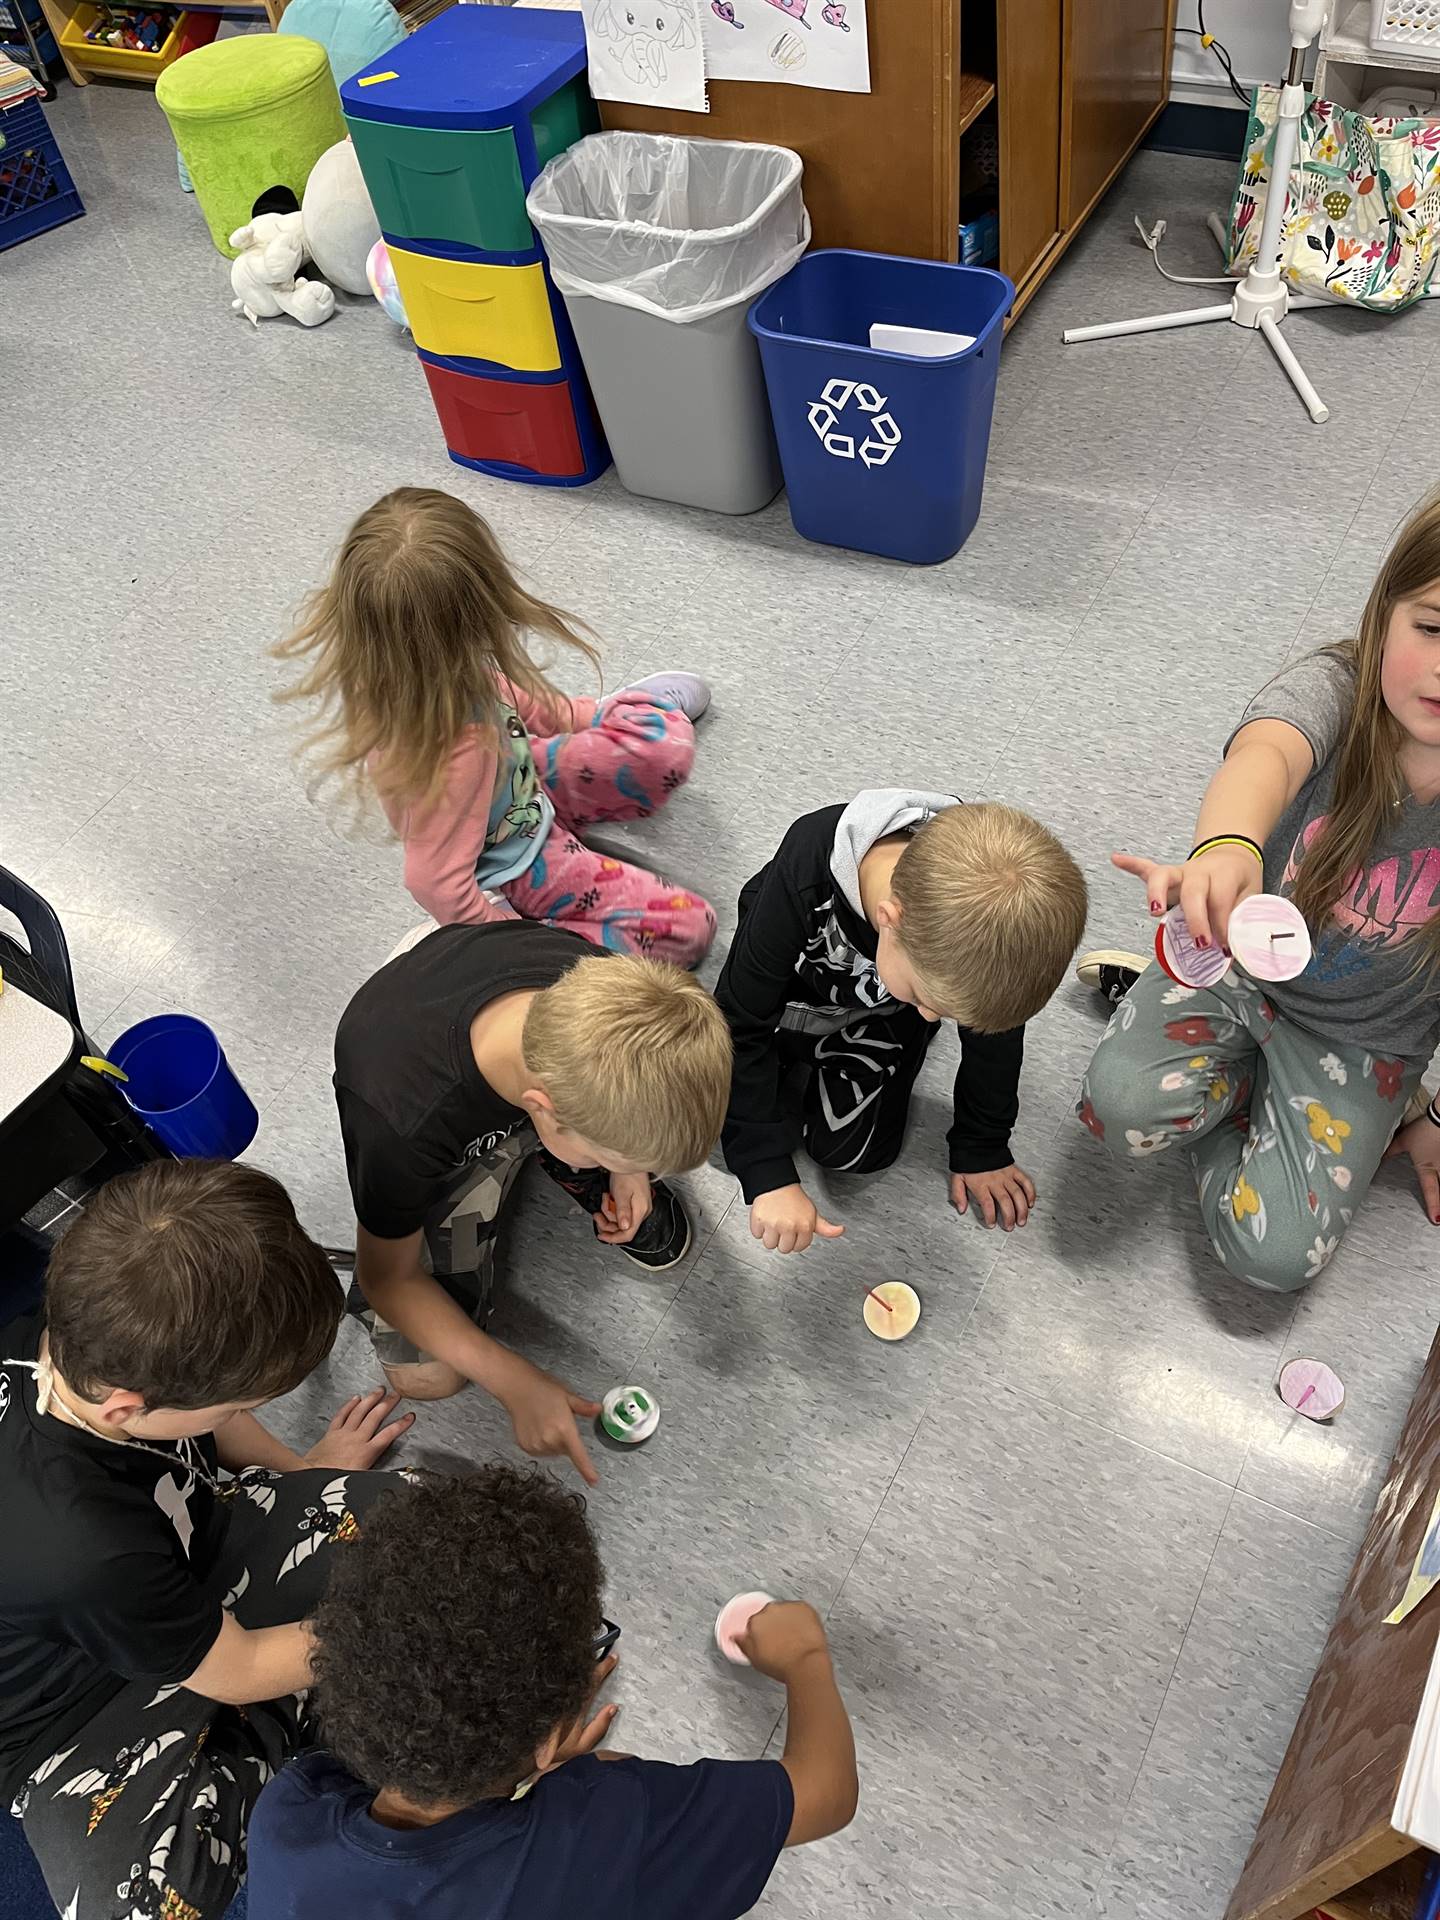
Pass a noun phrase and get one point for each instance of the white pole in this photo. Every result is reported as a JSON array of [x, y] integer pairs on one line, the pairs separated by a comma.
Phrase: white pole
[[1153, 323], [1299, 379]]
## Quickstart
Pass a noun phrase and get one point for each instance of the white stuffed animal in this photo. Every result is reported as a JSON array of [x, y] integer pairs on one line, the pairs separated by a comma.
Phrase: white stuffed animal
[[263, 277]]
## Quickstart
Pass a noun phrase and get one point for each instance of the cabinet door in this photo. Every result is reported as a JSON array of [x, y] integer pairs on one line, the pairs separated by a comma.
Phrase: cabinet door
[[1030, 51], [1116, 75]]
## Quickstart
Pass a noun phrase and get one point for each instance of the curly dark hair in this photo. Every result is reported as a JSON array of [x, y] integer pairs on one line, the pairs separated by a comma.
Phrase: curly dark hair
[[458, 1632]]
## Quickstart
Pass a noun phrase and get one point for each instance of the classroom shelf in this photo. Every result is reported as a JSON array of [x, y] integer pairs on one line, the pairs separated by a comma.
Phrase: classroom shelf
[[973, 94], [1348, 41]]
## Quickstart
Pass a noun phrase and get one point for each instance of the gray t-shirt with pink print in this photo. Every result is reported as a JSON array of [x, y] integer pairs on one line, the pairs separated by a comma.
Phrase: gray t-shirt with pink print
[[1361, 987]]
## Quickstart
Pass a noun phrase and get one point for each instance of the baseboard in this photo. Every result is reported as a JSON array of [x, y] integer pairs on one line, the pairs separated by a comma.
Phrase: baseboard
[[1216, 133]]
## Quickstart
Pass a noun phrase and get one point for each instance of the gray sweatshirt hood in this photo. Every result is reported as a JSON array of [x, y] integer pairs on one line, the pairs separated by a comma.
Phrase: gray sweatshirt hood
[[868, 818]]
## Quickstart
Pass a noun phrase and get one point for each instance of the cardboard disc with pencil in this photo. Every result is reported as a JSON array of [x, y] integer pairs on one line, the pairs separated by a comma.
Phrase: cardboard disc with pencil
[[891, 1309]]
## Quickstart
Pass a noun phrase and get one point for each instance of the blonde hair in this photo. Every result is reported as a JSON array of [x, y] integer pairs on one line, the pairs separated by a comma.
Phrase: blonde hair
[[421, 616], [635, 1056], [992, 907], [1368, 782]]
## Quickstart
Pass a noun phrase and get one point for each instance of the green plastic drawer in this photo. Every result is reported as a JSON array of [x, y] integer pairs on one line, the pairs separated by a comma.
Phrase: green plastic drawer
[[464, 186]]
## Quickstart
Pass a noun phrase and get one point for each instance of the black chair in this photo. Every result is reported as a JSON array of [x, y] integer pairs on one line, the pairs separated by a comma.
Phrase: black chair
[[43, 969], [103, 1133]]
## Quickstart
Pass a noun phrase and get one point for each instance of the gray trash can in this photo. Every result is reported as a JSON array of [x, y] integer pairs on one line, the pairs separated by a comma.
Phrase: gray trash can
[[658, 245]]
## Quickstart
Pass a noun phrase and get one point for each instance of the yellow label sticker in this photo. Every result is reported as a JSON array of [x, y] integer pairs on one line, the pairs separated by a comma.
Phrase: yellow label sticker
[[374, 79]]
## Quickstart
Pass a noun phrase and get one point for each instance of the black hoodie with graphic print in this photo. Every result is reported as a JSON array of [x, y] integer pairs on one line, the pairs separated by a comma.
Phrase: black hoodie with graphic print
[[803, 959]]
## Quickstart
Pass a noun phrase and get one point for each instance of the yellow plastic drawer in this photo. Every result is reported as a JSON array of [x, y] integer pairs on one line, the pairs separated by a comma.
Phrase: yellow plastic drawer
[[467, 310]]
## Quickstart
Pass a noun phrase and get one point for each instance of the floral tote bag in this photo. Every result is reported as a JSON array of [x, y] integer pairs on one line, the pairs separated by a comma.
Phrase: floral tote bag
[[1362, 216]]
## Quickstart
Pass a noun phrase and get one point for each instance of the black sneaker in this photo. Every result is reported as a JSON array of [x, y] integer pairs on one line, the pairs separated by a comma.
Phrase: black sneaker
[[1111, 975], [664, 1236]]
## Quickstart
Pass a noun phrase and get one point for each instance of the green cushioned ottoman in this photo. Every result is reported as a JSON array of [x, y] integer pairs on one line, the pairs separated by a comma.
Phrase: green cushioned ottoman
[[248, 114]]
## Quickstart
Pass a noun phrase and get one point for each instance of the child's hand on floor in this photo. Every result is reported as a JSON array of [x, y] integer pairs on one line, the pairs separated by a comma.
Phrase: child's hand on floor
[[542, 1411], [1007, 1195], [779, 1637], [620, 1222], [786, 1220], [1421, 1141], [585, 1736], [358, 1437], [1209, 889]]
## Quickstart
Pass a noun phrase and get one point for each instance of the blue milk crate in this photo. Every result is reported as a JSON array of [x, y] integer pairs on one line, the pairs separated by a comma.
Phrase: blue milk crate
[[36, 190], [882, 451]]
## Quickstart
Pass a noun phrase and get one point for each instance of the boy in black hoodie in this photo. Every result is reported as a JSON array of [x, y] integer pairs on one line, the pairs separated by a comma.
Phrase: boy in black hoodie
[[872, 923]]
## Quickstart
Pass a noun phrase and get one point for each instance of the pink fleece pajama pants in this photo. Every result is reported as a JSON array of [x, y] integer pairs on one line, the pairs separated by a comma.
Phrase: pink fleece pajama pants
[[623, 766]]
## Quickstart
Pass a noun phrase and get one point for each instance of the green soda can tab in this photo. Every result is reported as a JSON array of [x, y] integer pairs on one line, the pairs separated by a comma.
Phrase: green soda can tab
[[629, 1415]]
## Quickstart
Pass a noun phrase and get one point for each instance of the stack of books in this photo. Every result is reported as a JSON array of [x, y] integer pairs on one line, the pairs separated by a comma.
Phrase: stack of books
[[17, 83]]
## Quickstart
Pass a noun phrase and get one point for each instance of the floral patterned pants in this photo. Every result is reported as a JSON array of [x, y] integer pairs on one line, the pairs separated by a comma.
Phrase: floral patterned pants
[[141, 1815], [1284, 1129]]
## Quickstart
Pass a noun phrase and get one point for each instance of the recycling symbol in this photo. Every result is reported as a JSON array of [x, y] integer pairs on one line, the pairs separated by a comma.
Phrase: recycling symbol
[[881, 429]]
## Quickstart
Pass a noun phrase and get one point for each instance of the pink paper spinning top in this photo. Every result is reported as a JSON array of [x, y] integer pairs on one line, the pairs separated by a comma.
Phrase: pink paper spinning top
[[1269, 937], [1311, 1388]]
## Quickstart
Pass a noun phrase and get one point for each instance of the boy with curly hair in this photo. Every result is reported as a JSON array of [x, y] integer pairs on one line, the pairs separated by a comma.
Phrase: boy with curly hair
[[152, 1645], [456, 1663]]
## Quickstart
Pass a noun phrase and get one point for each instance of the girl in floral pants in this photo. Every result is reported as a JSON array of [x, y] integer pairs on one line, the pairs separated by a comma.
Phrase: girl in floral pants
[[1284, 1130], [1288, 1097]]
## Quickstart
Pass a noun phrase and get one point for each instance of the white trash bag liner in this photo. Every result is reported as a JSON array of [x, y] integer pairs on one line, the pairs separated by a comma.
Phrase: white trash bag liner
[[679, 228]]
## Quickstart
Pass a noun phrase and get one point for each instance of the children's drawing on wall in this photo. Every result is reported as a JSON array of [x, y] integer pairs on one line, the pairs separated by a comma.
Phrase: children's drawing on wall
[[787, 54], [825, 43], [650, 51]]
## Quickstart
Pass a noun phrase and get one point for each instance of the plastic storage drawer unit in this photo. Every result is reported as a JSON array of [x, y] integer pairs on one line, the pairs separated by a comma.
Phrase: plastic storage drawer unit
[[535, 429], [463, 187], [451, 128], [472, 311]]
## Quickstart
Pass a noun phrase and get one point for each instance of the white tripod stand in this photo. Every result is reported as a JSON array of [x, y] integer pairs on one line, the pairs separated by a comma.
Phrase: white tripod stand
[[1261, 300]]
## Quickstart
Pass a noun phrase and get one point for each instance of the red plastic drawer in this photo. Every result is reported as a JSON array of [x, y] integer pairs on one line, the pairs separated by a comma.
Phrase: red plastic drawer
[[514, 423]]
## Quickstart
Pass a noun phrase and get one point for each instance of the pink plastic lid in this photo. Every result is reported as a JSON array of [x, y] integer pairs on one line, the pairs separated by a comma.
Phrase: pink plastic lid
[[732, 1620]]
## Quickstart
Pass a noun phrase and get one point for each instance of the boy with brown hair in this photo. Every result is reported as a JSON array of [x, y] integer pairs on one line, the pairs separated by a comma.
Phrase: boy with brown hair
[[150, 1647], [455, 1062], [872, 923], [434, 1718]]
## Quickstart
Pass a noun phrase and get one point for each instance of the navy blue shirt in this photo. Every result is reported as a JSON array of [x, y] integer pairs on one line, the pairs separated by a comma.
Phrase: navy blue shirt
[[598, 1839]]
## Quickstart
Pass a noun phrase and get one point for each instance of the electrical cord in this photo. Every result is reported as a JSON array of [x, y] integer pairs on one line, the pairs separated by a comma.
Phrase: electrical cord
[[1221, 52]]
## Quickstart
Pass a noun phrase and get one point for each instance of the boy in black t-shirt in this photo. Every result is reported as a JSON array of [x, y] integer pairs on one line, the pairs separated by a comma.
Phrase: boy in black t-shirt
[[452, 1064], [150, 1651], [434, 1717]]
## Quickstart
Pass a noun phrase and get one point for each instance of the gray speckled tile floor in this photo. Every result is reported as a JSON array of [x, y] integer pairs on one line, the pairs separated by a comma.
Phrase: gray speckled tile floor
[[1077, 1562]]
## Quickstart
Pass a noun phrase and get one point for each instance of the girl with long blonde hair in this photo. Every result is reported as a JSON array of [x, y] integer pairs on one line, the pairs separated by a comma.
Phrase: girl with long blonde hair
[[1288, 1097], [415, 650]]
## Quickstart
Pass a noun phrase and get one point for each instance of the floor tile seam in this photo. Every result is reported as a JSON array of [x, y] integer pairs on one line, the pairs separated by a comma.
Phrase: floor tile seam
[[885, 1493], [1174, 1669], [1350, 526], [996, 1372], [692, 1270]]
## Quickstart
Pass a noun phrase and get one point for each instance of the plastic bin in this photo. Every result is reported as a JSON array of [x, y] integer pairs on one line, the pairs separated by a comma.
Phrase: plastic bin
[[36, 190], [657, 245], [883, 451], [180, 1083], [188, 31]]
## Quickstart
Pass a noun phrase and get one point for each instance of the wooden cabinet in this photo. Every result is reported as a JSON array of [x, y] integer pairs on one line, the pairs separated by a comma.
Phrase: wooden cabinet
[[1060, 92], [1117, 65], [1030, 46]]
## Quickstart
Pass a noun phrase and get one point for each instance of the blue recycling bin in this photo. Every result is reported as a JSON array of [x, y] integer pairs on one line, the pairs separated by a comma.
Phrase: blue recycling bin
[[882, 450], [180, 1083]]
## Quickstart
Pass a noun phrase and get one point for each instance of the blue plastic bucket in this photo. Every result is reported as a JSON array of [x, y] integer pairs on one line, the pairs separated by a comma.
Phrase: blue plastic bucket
[[179, 1082], [883, 452]]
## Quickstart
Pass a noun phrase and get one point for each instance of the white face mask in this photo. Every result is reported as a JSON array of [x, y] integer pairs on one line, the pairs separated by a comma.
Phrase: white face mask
[[48, 1400]]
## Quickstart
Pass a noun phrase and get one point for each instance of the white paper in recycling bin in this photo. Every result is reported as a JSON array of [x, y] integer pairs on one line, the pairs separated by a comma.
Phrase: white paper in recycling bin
[[653, 55], [922, 343], [800, 43]]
